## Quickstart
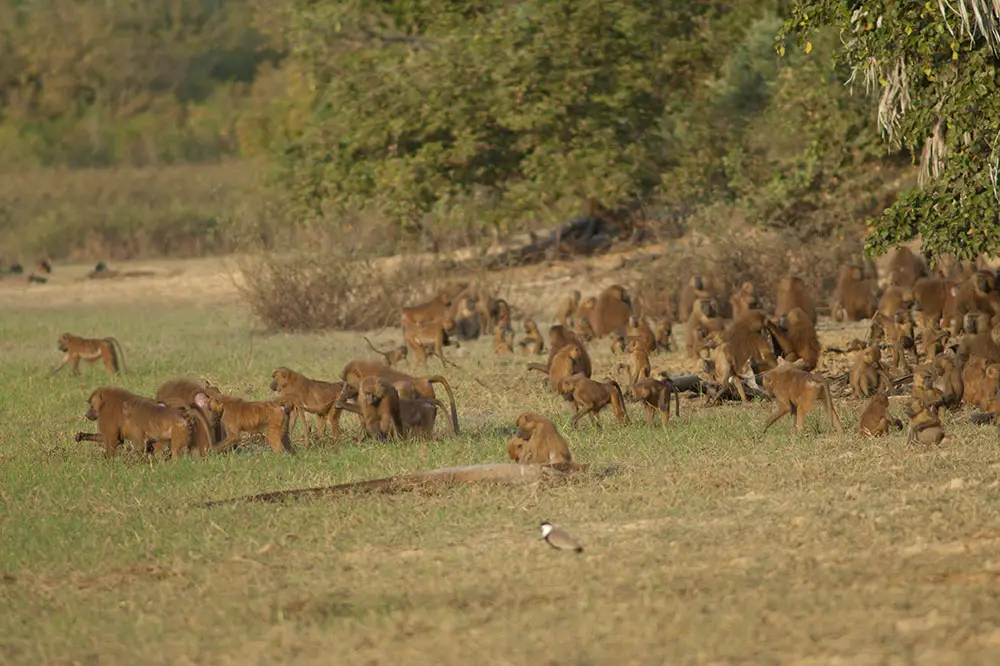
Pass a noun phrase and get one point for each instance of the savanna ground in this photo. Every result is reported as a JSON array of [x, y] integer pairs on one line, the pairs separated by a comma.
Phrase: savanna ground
[[709, 544]]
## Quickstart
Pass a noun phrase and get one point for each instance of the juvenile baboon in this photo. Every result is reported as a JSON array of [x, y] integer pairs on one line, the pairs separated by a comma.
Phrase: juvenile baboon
[[876, 419], [654, 395], [797, 338], [355, 371], [418, 416], [193, 395], [539, 442], [379, 402], [310, 396], [692, 292], [567, 309], [429, 338], [639, 361], [704, 320], [743, 299], [949, 380], [468, 325], [241, 416], [583, 312], [503, 339], [75, 349], [569, 360], [151, 422], [663, 334], [106, 406], [435, 309], [390, 357], [980, 381], [532, 342], [923, 385], [899, 331], [792, 294], [853, 298], [559, 337], [925, 424], [618, 344], [638, 329], [590, 397], [796, 391], [611, 311], [584, 329], [867, 376]]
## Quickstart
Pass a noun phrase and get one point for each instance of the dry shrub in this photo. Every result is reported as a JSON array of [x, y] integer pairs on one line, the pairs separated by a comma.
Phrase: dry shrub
[[315, 290], [761, 257]]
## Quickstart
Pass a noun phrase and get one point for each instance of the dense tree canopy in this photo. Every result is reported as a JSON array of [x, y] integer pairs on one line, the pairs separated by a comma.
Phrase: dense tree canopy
[[935, 67]]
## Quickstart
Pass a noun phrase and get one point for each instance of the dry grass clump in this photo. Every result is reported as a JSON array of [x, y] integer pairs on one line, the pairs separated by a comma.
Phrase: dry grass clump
[[726, 262]]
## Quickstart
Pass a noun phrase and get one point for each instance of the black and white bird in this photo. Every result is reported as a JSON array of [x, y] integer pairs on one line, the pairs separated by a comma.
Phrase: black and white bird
[[559, 539]]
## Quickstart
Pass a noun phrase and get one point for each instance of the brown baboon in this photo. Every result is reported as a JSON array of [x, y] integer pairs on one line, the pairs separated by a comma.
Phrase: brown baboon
[[792, 293], [106, 406], [949, 380], [75, 349], [583, 312], [899, 331], [923, 385], [503, 339], [986, 345], [611, 311], [692, 292], [980, 380], [638, 329], [640, 361], [901, 267], [540, 442], [567, 309], [976, 322], [934, 301], [569, 360], [532, 342], [797, 338], [355, 371], [429, 338], [390, 357], [585, 330], [244, 416], [311, 396], [977, 294], [618, 345], [590, 397], [418, 416], [379, 403], [867, 376], [797, 391], [435, 309], [744, 299], [704, 320], [925, 424], [663, 334], [151, 422], [559, 337], [468, 325], [654, 394], [746, 337], [193, 395], [853, 298], [876, 419]]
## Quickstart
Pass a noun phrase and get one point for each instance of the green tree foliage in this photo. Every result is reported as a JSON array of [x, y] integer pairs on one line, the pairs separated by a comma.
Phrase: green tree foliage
[[92, 82], [935, 67]]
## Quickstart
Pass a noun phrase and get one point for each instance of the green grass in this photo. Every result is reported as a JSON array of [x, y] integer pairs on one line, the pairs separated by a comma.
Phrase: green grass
[[712, 544]]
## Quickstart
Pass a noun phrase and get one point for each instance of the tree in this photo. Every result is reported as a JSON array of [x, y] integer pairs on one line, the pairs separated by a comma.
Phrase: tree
[[935, 66]]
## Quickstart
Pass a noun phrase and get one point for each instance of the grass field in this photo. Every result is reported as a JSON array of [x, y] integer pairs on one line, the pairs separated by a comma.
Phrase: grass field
[[710, 545]]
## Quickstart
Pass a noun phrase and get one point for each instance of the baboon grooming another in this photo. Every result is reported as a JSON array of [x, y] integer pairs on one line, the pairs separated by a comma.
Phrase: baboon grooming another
[[590, 397], [796, 391], [796, 336], [925, 424], [75, 349], [538, 442], [311, 396], [355, 371]]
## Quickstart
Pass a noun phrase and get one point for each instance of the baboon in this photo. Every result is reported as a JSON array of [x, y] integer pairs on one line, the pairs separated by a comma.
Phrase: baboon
[[503, 339], [379, 402], [193, 395], [590, 397], [640, 361], [867, 376], [418, 416], [611, 311], [876, 419], [312, 396], [976, 322], [540, 442], [792, 294], [429, 338], [923, 385], [584, 329], [796, 391], [797, 338], [355, 371], [106, 406], [567, 309], [583, 312], [468, 325], [569, 360], [744, 299], [977, 294], [241, 416], [853, 298], [949, 380], [390, 357], [980, 381], [152, 422], [934, 301], [435, 309], [932, 341], [559, 337], [901, 267], [704, 320], [899, 331], [618, 345], [925, 424], [75, 349], [663, 334], [746, 337], [692, 292], [532, 342], [638, 329], [986, 345], [654, 394]]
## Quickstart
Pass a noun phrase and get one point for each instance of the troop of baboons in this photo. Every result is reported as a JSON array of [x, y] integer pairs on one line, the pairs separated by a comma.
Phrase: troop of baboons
[[940, 330]]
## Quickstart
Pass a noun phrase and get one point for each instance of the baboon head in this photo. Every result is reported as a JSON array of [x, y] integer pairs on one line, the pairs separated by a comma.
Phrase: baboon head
[[63, 343], [279, 379], [93, 406]]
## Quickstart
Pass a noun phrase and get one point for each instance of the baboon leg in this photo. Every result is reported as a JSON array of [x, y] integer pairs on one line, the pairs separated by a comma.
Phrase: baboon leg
[[74, 367], [61, 365], [225, 445], [800, 420], [783, 408], [89, 437], [649, 409], [579, 415], [733, 379], [277, 438], [595, 418]]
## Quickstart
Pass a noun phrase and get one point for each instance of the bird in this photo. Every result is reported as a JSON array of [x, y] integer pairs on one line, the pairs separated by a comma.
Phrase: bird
[[558, 538]]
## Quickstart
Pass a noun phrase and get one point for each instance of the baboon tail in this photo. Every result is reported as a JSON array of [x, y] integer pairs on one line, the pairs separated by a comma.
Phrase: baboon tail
[[371, 346], [438, 379], [118, 352], [618, 401], [828, 399], [541, 367], [201, 436]]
